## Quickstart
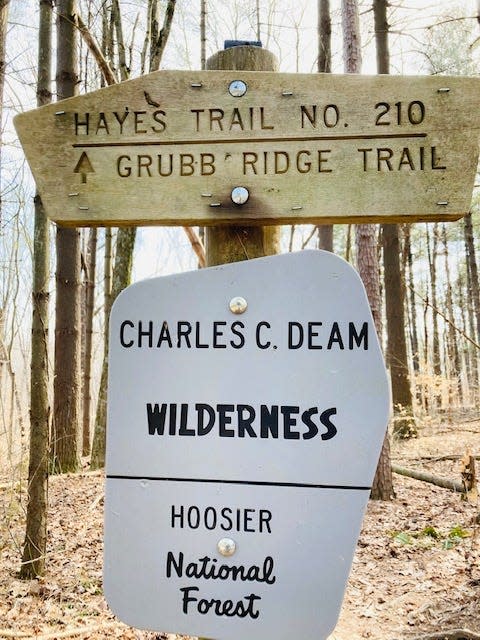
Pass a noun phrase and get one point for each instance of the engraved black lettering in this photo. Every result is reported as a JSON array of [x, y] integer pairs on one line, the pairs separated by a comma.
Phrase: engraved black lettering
[[120, 118], [303, 165], [161, 170], [144, 162], [249, 158], [138, 120], [186, 164], [82, 123], [310, 115], [124, 170], [384, 155], [102, 123], [216, 115], [364, 153], [436, 160], [207, 164], [157, 116]]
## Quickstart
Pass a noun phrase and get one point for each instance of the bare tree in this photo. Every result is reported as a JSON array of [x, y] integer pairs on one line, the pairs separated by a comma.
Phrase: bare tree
[[404, 423], [34, 549], [66, 411], [324, 65], [366, 242]]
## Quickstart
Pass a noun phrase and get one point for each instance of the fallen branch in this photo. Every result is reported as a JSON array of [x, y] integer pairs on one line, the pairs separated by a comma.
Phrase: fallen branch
[[445, 483], [452, 634], [435, 458]]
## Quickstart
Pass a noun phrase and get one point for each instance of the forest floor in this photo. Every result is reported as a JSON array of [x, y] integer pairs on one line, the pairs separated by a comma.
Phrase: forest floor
[[416, 570]]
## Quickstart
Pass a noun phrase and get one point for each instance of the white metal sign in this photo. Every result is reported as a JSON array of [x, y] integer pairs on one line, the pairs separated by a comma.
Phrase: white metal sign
[[247, 408]]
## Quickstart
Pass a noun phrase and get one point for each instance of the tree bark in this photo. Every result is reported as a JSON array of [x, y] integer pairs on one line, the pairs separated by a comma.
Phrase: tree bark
[[35, 544], [66, 413], [411, 286], [445, 483], [91, 262], [325, 231], [366, 244], [404, 424], [122, 271], [452, 343]]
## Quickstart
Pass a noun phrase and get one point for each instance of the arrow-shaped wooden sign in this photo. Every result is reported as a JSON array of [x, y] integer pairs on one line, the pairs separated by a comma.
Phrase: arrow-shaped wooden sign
[[173, 147]]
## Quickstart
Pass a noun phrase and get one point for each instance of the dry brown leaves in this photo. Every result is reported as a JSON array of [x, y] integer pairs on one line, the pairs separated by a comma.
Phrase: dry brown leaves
[[404, 582]]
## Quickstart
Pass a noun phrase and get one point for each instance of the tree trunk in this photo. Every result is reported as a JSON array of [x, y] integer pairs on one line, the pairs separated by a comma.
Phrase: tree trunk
[[436, 359], [121, 278], [34, 548], [404, 425], [411, 286], [472, 270], [87, 368], [452, 343], [365, 238], [325, 231], [65, 441]]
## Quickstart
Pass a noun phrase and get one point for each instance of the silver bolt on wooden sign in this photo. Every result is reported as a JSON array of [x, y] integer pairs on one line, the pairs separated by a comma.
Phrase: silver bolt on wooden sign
[[224, 147], [247, 406]]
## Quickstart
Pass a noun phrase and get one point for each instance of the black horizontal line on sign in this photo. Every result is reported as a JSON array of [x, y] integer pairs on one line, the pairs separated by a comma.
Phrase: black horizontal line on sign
[[170, 143], [260, 483]]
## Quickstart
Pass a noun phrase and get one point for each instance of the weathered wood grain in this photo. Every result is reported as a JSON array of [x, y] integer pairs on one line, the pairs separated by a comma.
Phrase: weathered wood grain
[[309, 148]]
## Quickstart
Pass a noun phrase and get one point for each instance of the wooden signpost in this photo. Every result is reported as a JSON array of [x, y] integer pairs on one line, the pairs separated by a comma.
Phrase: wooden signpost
[[171, 147]]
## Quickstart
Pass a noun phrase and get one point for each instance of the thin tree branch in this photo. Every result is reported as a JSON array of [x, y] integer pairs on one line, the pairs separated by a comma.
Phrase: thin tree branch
[[95, 50]]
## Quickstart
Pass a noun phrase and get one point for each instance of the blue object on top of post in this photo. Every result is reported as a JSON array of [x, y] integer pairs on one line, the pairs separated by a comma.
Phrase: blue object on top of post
[[228, 44]]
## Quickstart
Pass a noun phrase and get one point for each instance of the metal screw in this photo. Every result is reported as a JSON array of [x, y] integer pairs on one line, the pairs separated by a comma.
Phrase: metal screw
[[287, 93], [296, 207], [239, 195], [443, 90], [442, 203], [226, 546], [196, 85], [237, 88], [238, 305]]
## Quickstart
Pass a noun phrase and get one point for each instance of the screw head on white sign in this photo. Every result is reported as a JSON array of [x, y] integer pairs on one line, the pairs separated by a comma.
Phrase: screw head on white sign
[[235, 494]]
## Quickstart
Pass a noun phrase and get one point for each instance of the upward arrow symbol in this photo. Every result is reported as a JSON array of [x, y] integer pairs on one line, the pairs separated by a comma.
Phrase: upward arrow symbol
[[83, 167]]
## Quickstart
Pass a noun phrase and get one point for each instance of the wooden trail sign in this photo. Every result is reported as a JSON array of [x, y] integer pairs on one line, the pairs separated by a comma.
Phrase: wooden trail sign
[[247, 406], [171, 147]]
